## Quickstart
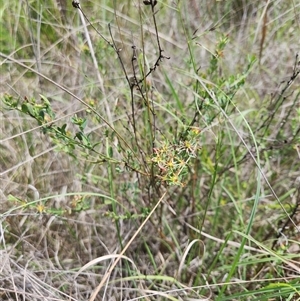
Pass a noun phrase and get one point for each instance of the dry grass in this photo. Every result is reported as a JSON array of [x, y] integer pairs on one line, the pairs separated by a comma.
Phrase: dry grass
[[60, 211]]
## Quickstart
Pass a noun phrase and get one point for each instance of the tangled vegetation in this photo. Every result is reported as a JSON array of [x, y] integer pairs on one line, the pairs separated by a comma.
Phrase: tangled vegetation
[[150, 150]]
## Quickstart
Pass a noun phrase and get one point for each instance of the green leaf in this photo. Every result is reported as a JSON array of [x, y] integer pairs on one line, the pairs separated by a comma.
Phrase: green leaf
[[28, 109]]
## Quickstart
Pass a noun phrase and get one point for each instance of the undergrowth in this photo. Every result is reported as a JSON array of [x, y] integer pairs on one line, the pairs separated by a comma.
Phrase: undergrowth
[[150, 150]]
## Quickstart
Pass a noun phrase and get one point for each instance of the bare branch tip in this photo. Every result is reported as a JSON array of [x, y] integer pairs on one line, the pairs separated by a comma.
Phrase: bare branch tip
[[76, 4]]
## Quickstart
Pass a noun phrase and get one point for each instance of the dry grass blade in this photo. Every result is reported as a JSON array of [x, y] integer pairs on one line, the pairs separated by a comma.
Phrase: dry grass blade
[[119, 256]]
